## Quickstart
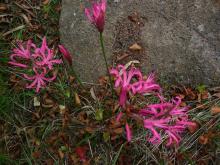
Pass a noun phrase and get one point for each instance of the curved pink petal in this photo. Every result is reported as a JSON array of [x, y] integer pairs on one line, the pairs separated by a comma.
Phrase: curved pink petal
[[118, 118], [66, 54], [128, 132], [17, 64]]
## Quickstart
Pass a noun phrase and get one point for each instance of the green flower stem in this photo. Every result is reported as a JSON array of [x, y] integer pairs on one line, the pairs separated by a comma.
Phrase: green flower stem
[[77, 77], [106, 63]]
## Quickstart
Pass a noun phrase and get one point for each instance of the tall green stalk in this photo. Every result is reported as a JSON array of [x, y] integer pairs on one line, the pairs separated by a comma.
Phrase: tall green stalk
[[106, 63]]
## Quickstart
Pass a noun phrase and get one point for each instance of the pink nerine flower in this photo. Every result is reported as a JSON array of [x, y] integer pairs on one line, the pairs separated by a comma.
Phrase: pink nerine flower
[[45, 56], [22, 53], [132, 80], [168, 118], [96, 14], [39, 79], [66, 54]]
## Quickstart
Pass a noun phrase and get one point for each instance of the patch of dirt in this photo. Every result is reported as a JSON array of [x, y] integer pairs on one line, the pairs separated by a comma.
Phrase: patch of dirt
[[128, 33]]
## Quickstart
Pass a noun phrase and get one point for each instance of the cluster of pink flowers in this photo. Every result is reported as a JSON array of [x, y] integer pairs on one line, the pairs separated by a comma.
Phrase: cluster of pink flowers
[[39, 60], [165, 117], [132, 81]]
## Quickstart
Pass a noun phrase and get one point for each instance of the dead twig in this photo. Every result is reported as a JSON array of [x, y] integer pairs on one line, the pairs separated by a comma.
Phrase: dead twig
[[13, 30], [20, 6]]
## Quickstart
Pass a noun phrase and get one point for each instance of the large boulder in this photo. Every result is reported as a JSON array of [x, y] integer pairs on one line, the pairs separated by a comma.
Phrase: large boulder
[[179, 39]]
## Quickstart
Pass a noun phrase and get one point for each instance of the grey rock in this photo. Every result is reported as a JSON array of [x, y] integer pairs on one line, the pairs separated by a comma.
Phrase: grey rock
[[180, 38]]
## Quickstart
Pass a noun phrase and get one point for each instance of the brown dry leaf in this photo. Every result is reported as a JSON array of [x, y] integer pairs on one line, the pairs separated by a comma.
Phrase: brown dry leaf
[[48, 101], [3, 7], [103, 80], [118, 130], [215, 110], [53, 138], [45, 2], [90, 130], [47, 106], [49, 162], [82, 117], [203, 139], [123, 56], [36, 114], [114, 137], [193, 128], [217, 95], [61, 154], [190, 93], [36, 154], [135, 47], [77, 99], [113, 124], [134, 17]]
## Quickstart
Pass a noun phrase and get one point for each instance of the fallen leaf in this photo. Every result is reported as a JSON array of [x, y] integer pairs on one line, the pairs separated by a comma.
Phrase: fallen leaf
[[77, 99], [215, 110], [48, 101], [135, 47], [36, 154], [61, 154], [118, 130], [47, 106], [49, 162], [123, 56], [3, 7], [45, 2], [203, 139], [217, 95], [90, 130], [190, 93], [193, 128], [81, 152], [82, 117]]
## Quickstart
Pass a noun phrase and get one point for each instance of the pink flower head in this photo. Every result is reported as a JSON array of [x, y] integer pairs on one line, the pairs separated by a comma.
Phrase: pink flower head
[[39, 79], [128, 132], [66, 54], [45, 56], [22, 53], [168, 118], [133, 81], [96, 14], [146, 86], [124, 80]]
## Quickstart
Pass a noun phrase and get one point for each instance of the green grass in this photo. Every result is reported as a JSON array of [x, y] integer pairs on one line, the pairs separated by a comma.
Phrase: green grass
[[5, 160]]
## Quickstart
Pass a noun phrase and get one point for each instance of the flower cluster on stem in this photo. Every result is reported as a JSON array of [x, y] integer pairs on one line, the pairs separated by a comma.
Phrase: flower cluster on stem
[[167, 118], [39, 62]]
